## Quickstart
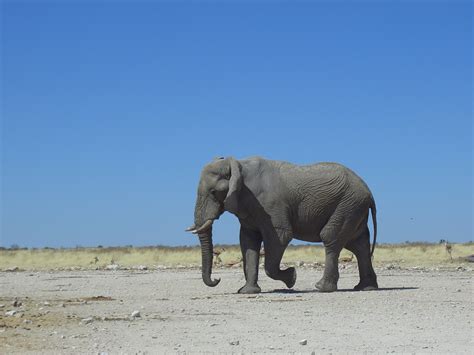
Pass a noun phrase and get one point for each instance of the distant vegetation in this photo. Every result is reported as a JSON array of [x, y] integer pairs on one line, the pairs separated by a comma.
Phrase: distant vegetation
[[408, 254]]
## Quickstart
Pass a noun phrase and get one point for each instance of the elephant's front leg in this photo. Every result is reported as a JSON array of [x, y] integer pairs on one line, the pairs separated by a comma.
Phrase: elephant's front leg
[[250, 243], [275, 244]]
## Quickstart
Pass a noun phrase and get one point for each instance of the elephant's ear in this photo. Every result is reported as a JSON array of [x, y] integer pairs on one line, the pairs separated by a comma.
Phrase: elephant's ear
[[231, 202]]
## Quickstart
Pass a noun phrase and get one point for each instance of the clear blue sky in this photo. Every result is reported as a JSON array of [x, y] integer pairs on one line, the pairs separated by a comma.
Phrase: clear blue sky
[[110, 110]]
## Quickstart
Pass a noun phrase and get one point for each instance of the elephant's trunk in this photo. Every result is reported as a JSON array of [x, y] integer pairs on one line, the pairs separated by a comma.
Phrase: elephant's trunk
[[207, 254], [204, 215]]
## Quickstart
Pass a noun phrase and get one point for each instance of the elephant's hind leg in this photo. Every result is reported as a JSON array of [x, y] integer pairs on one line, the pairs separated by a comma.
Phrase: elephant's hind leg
[[328, 282], [332, 235], [361, 249]]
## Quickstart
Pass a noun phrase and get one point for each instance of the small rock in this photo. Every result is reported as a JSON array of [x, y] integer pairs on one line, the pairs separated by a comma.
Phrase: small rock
[[46, 303], [135, 314], [2, 305], [300, 263], [16, 303], [112, 267], [303, 342], [27, 321], [142, 267], [87, 320], [12, 269], [63, 337], [234, 342], [11, 313]]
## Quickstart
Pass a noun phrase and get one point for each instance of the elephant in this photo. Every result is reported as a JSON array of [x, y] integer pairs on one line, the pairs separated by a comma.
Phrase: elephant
[[276, 201]]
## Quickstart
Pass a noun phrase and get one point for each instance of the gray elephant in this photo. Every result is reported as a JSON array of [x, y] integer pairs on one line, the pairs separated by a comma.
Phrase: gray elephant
[[276, 201]]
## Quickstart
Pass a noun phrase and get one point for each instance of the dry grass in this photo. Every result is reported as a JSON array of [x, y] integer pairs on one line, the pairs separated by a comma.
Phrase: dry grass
[[41, 259], [410, 254], [420, 254]]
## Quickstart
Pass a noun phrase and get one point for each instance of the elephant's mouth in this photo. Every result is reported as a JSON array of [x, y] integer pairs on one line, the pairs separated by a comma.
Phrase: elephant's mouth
[[204, 228]]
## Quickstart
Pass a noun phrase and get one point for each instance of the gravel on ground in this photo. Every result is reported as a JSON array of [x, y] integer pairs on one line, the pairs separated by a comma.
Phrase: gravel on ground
[[156, 311]]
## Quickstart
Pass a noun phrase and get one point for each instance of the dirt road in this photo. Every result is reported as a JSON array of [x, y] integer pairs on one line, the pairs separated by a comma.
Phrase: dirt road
[[79, 312]]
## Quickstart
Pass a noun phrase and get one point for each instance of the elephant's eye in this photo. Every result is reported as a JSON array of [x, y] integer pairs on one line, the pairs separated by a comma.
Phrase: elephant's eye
[[213, 192]]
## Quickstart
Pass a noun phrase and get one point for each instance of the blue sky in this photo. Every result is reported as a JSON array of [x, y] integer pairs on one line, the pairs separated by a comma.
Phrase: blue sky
[[110, 110]]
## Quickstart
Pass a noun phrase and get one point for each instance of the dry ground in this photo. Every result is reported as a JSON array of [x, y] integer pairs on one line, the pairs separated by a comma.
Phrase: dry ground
[[416, 311]]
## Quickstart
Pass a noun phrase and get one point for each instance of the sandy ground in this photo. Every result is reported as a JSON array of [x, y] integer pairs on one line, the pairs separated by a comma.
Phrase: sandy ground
[[415, 311]]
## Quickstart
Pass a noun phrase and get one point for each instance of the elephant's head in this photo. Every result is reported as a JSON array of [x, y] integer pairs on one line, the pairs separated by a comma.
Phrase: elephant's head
[[218, 189]]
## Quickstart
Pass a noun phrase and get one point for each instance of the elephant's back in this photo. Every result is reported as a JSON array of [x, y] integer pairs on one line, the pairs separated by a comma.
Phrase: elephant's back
[[329, 177]]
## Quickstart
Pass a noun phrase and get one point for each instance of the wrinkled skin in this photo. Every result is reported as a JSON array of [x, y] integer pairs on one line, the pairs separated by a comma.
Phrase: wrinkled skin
[[277, 201]]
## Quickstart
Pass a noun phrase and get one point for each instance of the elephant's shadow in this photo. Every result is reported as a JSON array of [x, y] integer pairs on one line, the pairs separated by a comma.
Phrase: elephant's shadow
[[291, 291]]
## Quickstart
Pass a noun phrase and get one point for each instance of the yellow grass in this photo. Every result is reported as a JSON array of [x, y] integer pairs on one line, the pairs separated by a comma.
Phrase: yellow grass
[[43, 259]]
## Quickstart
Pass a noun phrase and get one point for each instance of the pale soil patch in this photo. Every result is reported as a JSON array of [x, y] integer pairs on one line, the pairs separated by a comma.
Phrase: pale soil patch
[[416, 310]]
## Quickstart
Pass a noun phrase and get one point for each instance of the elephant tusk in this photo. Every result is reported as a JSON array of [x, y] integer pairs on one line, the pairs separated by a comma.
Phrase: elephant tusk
[[191, 228], [204, 227]]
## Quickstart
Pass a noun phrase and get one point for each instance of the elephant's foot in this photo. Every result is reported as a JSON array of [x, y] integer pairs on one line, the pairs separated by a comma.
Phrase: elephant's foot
[[325, 285], [249, 289], [366, 285], [290, 277]]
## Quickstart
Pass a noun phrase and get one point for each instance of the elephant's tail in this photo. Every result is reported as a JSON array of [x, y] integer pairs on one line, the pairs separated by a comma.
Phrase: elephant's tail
[[373, 210]]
